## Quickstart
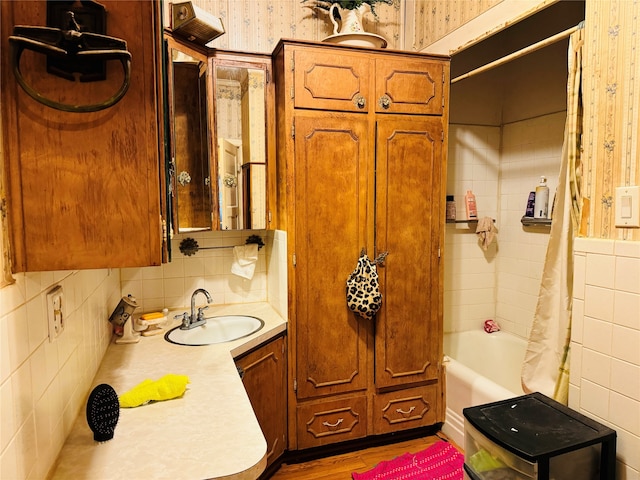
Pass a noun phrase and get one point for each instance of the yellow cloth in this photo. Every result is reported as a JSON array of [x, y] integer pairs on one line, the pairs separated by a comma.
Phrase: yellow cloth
[[165, 388], [483, 461]]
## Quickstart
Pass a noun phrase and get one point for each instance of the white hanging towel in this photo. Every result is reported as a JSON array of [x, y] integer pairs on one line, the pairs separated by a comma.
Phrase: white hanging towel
[[244, 260], [486, 231]]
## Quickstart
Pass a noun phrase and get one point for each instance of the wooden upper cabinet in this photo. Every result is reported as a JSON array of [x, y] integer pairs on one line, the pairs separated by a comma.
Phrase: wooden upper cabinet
[[322, 83], [409, 86], [84, 188], [359, 82]]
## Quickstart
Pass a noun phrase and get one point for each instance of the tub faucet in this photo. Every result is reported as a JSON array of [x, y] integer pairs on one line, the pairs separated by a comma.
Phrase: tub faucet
[[196, 319]]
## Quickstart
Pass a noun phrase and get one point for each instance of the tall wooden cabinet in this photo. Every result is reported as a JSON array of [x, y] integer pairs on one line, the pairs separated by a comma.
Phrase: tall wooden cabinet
[[361, 145]]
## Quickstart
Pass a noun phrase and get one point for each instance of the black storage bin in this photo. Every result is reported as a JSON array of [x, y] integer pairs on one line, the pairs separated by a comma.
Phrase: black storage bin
[[535, 437]]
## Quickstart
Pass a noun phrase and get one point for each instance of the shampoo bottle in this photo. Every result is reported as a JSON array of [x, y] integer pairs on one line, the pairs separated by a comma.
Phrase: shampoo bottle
[[542, 199], [451, 208], [470, 202]]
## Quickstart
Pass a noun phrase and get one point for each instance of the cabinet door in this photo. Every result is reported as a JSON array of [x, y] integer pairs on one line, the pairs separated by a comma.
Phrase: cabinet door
[[84, 187], [409, 86], [322, 80], [408, 226], [264, 378], [333, 183]]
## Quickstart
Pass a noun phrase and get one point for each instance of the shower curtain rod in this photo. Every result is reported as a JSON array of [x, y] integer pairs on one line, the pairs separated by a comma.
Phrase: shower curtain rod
[[519, 53]]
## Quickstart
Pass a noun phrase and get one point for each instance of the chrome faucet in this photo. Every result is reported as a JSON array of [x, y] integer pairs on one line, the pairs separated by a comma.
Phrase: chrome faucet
[[195, 319]]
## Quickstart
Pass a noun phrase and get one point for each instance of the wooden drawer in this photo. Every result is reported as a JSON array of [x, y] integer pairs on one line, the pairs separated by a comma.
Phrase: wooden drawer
[[405, 409], [331, 80], [409, 86], [331, 422]]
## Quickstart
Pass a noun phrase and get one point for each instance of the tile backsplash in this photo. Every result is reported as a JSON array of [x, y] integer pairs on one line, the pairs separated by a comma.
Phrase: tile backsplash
[[171, 285]]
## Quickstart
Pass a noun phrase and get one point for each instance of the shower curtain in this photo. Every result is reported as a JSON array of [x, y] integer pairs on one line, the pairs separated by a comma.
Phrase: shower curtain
[[546, 363]]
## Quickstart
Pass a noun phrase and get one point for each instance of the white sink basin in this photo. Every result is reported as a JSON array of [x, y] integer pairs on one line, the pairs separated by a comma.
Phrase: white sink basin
[[221, 329]]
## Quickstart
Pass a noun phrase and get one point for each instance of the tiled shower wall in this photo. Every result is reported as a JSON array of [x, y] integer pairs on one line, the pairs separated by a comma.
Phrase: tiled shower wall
[[530, 148], [469, 271], [43, 385], [501, 166]]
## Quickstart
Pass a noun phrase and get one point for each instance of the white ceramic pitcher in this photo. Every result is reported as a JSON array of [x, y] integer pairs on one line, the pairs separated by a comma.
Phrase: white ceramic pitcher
[[351, 20]]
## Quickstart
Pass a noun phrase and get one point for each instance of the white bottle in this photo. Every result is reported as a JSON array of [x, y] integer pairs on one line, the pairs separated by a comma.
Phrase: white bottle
[[542, 199]]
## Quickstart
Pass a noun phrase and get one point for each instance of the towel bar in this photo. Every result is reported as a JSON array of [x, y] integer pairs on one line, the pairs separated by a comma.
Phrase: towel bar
[[189, 246]]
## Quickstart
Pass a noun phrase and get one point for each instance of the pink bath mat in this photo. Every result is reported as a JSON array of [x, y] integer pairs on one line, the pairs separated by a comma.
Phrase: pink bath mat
[[440, 461]]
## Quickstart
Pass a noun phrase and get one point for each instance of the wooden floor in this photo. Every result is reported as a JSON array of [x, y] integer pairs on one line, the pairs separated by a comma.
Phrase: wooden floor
[[340, 467]]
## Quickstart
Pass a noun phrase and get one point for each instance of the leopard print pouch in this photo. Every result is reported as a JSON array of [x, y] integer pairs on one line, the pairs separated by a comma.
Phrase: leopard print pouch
[[363, 287]]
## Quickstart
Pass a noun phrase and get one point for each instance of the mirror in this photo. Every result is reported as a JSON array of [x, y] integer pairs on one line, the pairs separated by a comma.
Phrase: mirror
[[217, 102], [190, 166], [240, 99]]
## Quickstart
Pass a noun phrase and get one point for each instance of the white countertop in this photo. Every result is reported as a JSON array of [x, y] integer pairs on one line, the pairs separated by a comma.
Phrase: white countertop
[[209, 432]]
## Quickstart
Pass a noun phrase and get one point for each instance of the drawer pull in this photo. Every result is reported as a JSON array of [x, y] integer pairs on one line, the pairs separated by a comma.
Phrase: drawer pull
[[384, 102], [405, 413], [333, 426], [359, 101]]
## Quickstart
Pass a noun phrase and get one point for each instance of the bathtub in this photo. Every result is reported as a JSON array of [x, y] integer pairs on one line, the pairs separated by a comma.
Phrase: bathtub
[[480, 368]]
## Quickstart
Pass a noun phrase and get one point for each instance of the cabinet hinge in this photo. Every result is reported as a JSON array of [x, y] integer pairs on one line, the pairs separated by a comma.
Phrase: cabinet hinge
[[291, 93], [293, 259], [443, 80], [268, 76], [293, 62], [442, 135], [293, 130], [269, 216], [438, 252], [295, 384]]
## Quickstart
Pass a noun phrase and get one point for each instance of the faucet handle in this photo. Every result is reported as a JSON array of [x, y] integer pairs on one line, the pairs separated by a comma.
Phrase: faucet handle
[[185, 319], [200, 310]]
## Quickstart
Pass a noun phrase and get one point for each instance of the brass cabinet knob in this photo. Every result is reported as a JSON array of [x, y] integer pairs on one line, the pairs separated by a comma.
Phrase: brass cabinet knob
[[384, 102], [359, 101]]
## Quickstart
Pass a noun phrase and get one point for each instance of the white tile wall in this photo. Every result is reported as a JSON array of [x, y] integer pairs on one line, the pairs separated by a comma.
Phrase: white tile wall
[[469, 271], [605, 384], [530, 148], [501, 166], [171, 285], [43, 385]]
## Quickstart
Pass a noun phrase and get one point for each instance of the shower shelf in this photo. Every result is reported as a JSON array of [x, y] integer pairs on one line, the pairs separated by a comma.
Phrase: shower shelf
[[535, 222], [470, 220]]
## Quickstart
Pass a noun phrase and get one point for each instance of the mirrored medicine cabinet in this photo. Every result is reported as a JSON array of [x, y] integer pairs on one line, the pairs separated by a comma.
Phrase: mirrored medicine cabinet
[[220, 119]]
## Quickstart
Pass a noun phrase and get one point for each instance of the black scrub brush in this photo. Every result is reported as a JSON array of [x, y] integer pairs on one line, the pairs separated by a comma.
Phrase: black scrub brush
[[103, 410]]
